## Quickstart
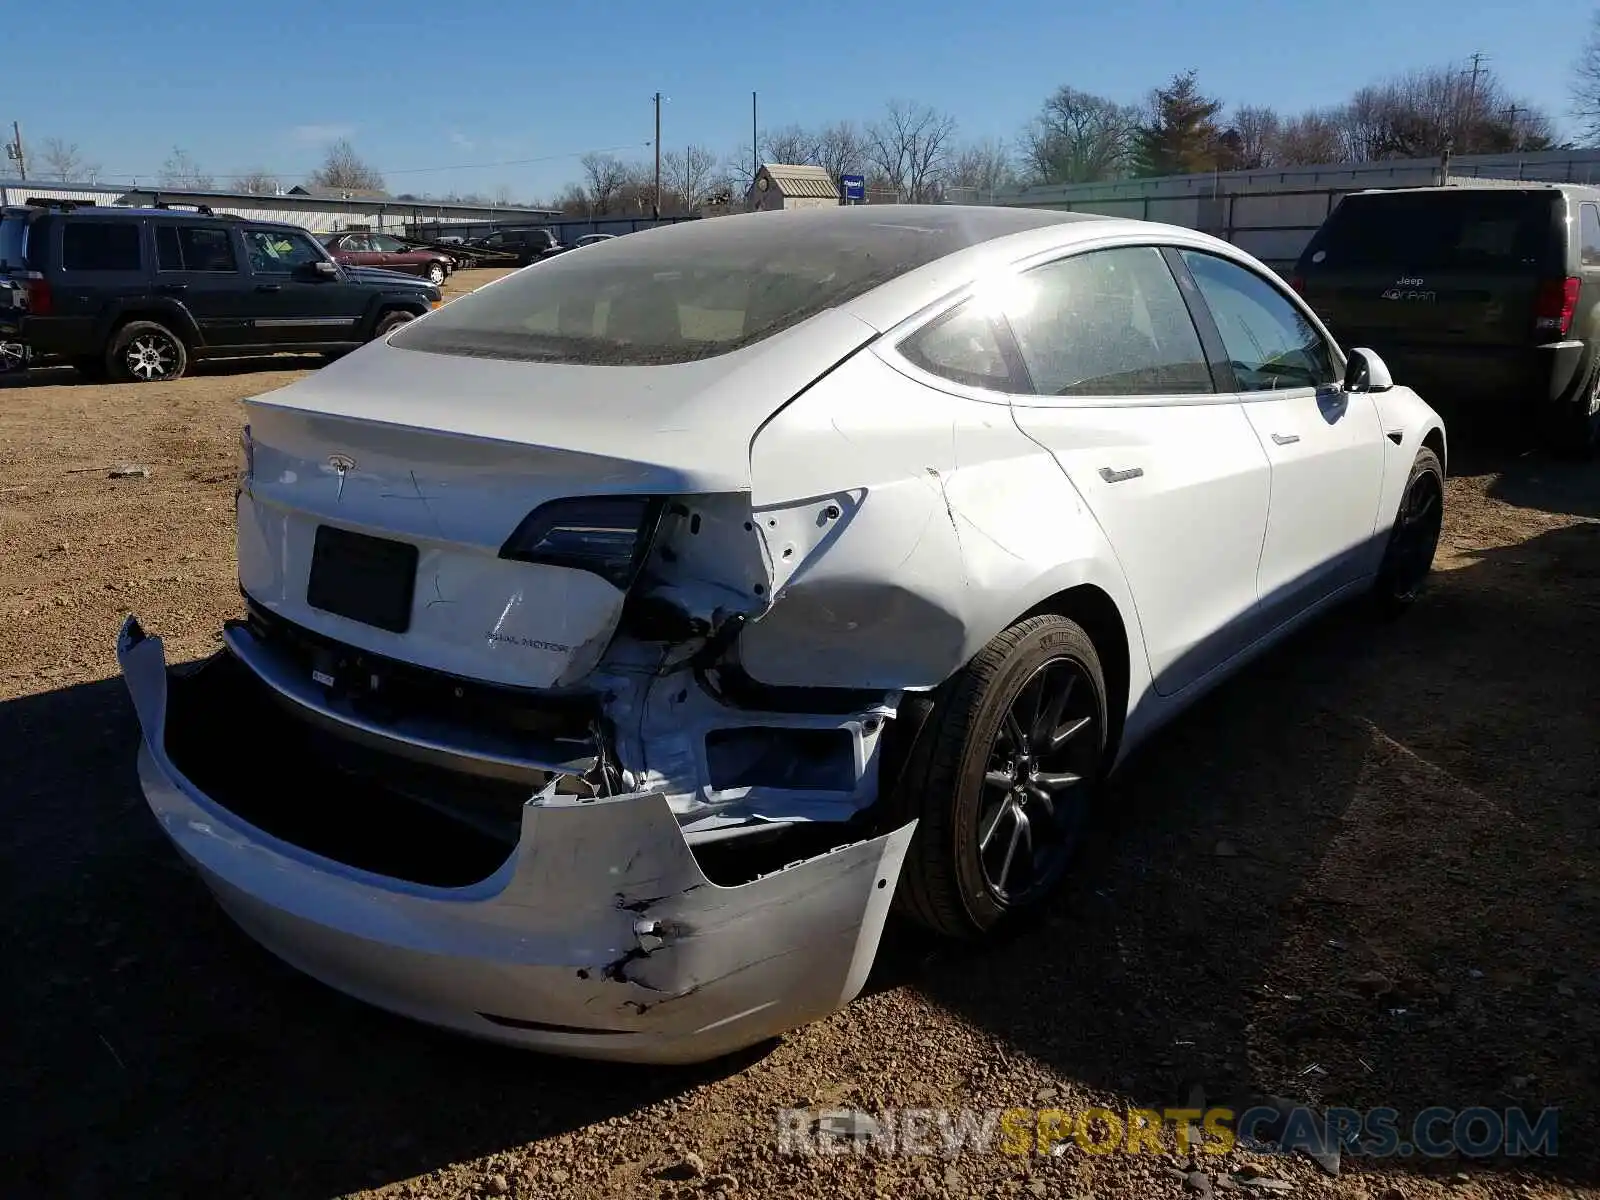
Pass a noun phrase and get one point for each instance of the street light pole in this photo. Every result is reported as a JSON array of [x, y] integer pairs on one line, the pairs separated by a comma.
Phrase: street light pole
[[658, 157]]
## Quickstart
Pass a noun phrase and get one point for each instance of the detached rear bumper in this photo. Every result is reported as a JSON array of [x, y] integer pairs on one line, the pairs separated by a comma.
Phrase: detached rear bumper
[[598, 937]]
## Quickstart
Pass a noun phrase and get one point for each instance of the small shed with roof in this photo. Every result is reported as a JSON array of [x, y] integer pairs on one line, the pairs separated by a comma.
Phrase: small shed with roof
[[787, 185]]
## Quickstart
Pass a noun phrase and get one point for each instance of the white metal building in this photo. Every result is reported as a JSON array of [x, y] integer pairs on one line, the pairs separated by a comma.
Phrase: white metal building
[[314, 209]]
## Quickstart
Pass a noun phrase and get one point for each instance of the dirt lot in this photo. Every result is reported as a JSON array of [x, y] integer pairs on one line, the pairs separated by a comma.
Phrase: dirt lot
[[1376, 852]]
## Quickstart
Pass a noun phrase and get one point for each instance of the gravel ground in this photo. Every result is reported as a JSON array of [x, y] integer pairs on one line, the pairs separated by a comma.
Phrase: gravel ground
[[1375, 852]]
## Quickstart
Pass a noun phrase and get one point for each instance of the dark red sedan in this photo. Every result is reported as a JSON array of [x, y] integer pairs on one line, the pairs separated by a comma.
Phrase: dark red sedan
[[363, 249]]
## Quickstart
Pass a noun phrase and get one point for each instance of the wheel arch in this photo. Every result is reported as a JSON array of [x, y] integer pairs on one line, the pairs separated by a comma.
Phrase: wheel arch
[[173, 315], [1434, 439], [384, 303], [1091, 607]]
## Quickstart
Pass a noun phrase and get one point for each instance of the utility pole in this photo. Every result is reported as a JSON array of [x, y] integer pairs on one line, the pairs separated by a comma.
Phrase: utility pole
[[14, 151], [657, 205], [755, 153]]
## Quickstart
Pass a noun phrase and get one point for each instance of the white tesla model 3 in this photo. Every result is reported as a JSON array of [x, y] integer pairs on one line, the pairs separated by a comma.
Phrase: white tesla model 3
[[624, 637]]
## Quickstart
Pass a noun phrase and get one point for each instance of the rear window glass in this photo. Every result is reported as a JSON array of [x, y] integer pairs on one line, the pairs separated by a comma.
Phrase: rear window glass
[[100, 246], [1466, 230], [13, 243], [686, 292]]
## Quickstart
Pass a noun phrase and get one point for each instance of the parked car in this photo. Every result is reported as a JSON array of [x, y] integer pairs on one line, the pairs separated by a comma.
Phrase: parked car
[[390, 253], [527, 245], [760, 573], [137, 294], [590, 239], [1487, 293]]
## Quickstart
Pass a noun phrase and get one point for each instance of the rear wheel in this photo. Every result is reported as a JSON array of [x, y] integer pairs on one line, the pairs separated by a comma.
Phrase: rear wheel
[[1408, 558], [389, 322], [1001, 779], [146, 352]]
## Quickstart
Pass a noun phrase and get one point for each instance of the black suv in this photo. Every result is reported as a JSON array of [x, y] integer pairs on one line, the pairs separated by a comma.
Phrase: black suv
[[529, 245], [137, 294], [1472, 292]]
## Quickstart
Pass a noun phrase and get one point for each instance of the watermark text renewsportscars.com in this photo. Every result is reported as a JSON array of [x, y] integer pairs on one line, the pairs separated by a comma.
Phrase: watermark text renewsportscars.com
[[1376, 1132]]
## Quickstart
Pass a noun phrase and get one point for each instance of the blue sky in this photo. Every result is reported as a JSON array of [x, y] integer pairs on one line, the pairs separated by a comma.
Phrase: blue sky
[[433, 93]]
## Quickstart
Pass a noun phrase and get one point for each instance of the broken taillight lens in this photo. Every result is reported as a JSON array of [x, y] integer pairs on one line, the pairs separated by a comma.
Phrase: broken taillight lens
[[608, 536], [1556, 304]]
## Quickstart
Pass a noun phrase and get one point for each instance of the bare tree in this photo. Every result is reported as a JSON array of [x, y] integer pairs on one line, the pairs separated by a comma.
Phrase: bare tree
[[910, 145], [840, 149], [1423, 114], [344, 168], [791, 144], [1586, 83], [605, 176], [257, 183], [1312, 137], [979, 170], [181, 171], [575, 202], [1257, 129], [62, 160], [502, 194], [1079, 137], [687, 175]]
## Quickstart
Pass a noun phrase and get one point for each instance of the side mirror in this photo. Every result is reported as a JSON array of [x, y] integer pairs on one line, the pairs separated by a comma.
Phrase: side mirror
[[325, 268], [1366, 372]]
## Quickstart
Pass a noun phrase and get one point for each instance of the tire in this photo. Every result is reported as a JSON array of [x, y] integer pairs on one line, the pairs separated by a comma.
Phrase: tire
[[436, 273], [146, 352], [1408, 558], [952, 780], [13, 358], [389, 322], [1573, 430]]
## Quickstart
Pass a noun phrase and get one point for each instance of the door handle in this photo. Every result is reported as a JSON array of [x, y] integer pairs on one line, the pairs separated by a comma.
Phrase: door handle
[[171, 287], [1114, 476], [1286, 439], [269, 287]]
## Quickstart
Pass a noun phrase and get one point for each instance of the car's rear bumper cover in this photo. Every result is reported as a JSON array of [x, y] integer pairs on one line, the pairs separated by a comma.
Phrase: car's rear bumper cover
[[598, 937], [1551, 372]]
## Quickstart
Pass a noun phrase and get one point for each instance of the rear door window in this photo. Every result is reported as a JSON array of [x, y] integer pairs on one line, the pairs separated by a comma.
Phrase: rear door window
[[1107, 323], [1465, 229], [195, 248], [100, 246]]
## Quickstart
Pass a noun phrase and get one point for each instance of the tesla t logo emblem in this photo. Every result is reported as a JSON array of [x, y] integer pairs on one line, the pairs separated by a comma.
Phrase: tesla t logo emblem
[[343, 464]]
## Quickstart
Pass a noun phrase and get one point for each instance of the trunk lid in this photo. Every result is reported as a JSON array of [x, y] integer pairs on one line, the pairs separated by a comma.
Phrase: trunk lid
[[1449, 267], [444, 458]]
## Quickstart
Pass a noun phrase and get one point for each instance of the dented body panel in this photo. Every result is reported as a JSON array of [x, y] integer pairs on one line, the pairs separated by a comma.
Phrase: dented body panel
[[598, 936]]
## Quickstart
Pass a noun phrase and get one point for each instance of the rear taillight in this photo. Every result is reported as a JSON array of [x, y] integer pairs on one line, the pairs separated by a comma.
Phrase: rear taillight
[[40, 302], [1556, 304], [608, 536]]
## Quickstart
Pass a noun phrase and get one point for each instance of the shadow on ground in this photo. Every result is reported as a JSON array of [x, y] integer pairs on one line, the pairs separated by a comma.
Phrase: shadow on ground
[[1416, 801], [1366, 872]]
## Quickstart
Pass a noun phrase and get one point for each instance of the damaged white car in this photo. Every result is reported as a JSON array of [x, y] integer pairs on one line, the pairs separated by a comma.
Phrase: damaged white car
[[624, 637]]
